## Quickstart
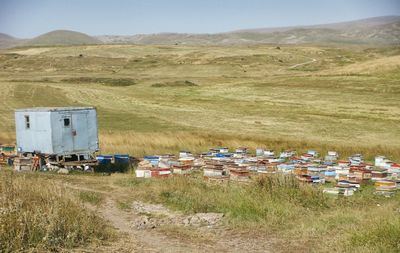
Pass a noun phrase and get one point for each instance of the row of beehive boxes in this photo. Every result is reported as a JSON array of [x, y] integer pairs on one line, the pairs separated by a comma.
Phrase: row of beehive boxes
[[146, 170]]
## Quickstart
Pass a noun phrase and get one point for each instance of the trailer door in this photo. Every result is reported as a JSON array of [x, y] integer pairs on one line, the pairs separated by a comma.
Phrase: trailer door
[[80, 131], [66, 145]]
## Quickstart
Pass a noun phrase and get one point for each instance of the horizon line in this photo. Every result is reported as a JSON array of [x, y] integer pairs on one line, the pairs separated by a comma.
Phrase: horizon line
[[205, 33]]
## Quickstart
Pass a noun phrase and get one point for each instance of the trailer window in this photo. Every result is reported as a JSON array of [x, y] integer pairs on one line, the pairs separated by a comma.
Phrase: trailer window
[[67, 122], [27, 122]]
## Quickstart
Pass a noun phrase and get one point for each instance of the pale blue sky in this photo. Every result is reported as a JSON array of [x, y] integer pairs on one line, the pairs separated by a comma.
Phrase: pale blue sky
[[29, 18]]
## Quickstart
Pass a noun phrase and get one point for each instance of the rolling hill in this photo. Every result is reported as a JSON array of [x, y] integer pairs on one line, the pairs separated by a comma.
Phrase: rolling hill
[[373, 31], [7, 41], [62, 37]]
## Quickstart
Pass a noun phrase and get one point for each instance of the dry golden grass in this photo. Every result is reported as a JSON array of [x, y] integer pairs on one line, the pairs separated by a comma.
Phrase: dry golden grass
[[142, 144], [40, 215], [7, 137]]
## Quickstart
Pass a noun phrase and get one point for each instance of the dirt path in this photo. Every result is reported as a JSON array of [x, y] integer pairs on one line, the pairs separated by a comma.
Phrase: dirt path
[[145, 240], [301, 64], [171, 237], [312, 60], [134, 240]]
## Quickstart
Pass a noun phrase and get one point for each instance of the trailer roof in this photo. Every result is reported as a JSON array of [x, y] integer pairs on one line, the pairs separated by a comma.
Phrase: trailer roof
[[54, 109]]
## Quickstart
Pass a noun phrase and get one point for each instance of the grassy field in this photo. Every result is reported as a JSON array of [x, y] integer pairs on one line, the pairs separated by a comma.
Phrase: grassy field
[[165, 98]]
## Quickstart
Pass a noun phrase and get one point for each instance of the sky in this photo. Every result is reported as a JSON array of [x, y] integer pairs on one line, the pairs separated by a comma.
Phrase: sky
[[30, 18]]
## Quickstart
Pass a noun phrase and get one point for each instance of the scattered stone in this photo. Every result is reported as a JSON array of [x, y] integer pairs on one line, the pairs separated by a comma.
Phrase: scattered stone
[[155, 215], [203, 219], [63, 171], [145, 222], [157, 209]]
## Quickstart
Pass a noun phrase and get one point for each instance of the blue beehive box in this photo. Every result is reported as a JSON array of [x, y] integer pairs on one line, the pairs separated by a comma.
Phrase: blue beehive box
[[104, 159], [121, 158]]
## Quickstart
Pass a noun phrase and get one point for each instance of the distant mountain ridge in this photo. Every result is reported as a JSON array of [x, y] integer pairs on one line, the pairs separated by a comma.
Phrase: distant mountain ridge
[[371, 31], [378, 30], [360, 23]]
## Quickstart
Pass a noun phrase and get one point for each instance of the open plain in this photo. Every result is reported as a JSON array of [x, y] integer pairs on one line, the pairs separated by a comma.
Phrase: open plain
[[154, 99]]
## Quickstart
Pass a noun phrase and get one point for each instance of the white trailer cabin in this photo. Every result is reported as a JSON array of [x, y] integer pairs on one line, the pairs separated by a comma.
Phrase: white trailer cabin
[[60, 131]]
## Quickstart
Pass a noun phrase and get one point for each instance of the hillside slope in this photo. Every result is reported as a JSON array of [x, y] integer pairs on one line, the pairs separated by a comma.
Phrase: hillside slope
[[379, 30], [7, 41]]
